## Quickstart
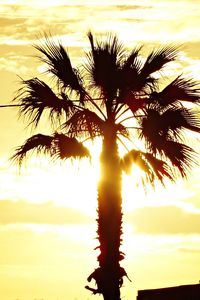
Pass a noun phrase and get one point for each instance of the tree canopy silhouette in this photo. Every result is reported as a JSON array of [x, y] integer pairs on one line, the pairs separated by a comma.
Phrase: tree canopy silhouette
[[116, 95]]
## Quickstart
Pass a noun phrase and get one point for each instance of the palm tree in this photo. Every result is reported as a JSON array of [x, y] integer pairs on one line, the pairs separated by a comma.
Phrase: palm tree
[[116, 96]]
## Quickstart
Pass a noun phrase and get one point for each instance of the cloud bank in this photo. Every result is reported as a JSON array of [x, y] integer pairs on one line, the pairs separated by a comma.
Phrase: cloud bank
[[45, 213], [165, 220]]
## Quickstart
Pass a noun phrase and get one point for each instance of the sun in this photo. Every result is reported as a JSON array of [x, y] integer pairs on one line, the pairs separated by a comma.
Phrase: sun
[[70, 184], [73, 184]]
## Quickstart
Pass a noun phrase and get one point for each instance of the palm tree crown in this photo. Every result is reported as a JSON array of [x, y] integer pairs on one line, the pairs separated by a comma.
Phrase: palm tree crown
[[115, 95], [114, 86]]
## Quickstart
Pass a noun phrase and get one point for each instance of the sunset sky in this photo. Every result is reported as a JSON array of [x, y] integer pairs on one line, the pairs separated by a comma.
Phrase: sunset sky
[[48, 211]]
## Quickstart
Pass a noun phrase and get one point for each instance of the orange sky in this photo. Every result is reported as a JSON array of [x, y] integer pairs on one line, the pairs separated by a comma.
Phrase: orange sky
[[47, 234]]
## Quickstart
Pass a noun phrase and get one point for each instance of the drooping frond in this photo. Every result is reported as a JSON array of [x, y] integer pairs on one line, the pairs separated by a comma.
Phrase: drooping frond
[[158, 126], [151, 129], [153, 168], [162, 131], [159, 167], [174, 120], [84, 122], [40, 143], [68, 147], [103, 64], [59, 64], [180, 89], [183, 158], [35, 96], [57, 146]]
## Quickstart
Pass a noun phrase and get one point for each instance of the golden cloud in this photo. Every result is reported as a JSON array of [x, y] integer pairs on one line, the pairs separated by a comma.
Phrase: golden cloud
[[165, 220], [22, 212]]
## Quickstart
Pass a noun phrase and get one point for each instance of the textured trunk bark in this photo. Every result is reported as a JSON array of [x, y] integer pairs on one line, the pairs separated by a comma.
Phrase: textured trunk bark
[[109, 274], [109, 278]]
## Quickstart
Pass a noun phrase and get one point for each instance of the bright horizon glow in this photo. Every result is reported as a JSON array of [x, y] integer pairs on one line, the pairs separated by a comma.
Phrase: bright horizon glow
[[57, 182]]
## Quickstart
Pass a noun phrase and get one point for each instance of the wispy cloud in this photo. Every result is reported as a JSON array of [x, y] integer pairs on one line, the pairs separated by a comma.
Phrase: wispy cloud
[[23, 23], [155, 22]]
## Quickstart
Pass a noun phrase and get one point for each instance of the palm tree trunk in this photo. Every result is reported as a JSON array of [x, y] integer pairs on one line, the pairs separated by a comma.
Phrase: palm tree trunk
[[109, 274]]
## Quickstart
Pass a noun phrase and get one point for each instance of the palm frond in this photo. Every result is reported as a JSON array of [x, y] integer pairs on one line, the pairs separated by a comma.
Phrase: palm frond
[[180, 89], [162, 137], [103, 64], [111, 45], [35, 96], [132, 60], [84, 122], [68, 147], [174, 120], [182, 157], [57, 146], [133, 100], [153, 168], [161, 169], [59, 64], [158, 126], [40, 143], [162, 133], [130, 82], [156, 60], [151, 128], [133, 156], [122, 130], [128, 74]]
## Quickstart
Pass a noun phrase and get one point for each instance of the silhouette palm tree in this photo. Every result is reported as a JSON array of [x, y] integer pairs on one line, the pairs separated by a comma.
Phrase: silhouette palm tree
[[115, 95]]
